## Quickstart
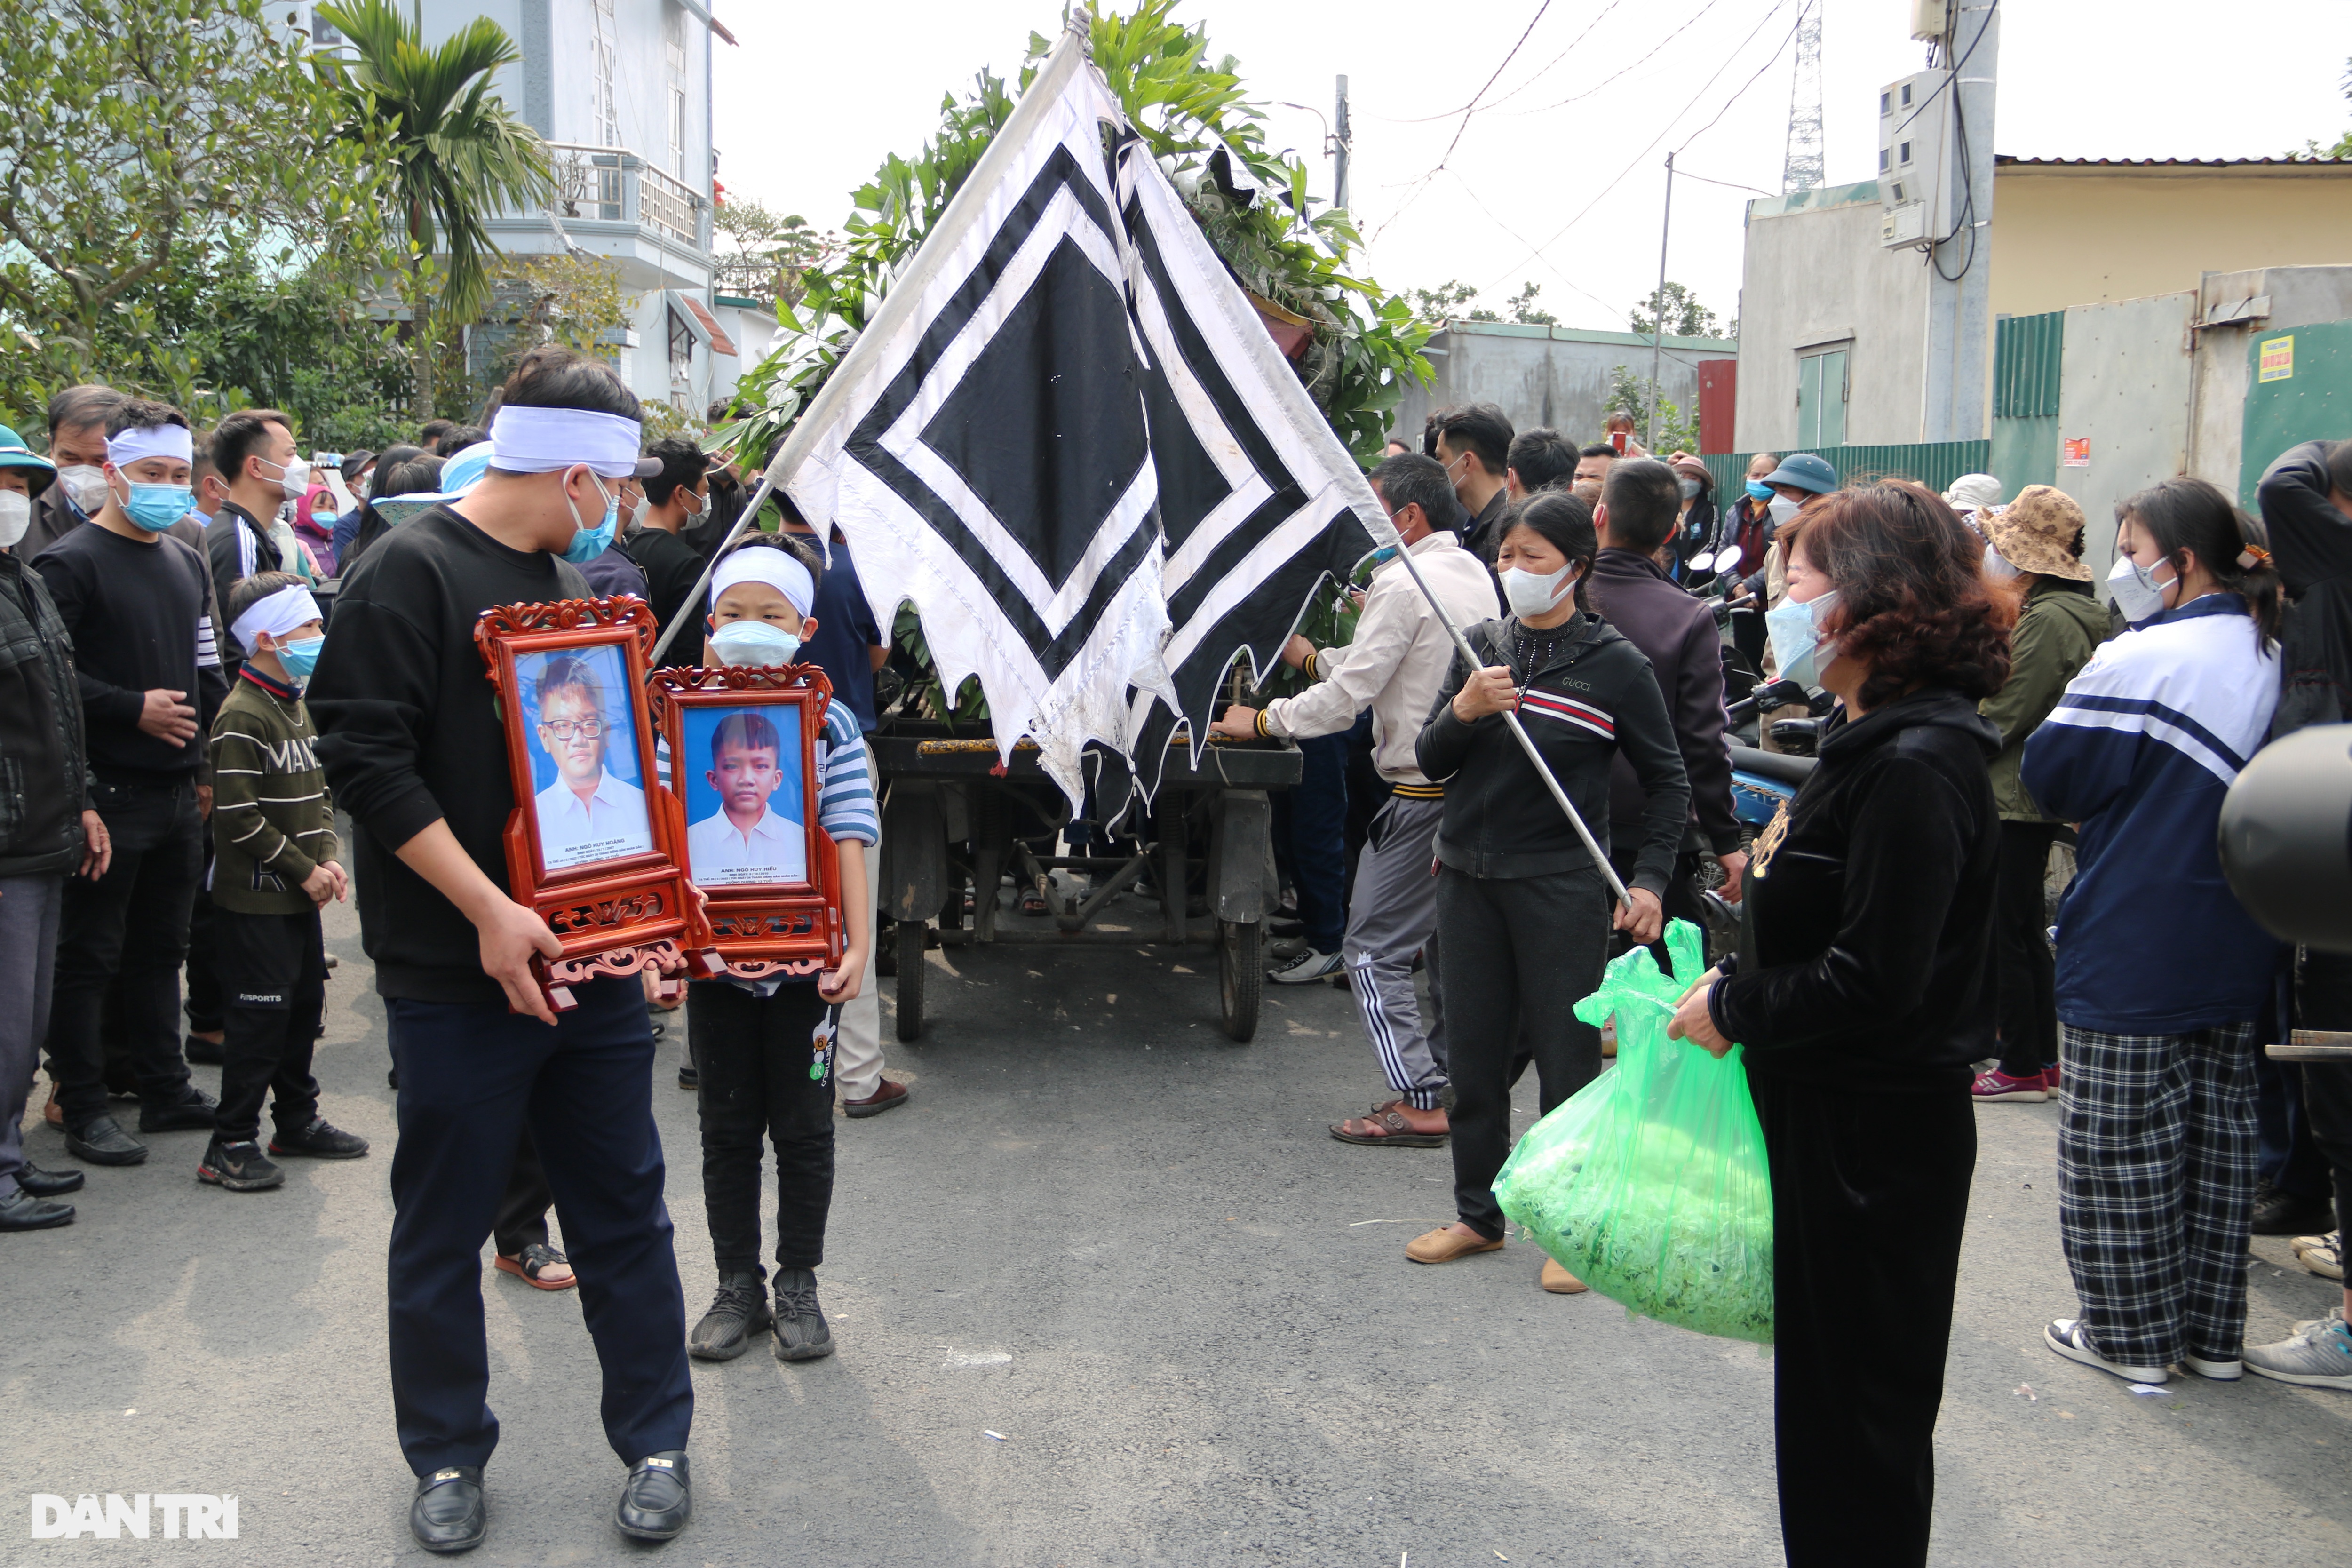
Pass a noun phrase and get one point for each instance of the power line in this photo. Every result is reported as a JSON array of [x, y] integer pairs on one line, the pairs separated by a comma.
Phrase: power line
[[1432, 118], [1727, 184], [1621, 70], [1466, 111], [1778, 7]]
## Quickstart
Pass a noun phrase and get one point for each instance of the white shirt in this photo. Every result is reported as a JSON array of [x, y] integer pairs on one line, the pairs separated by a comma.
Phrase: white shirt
[[610, 823], [719, 853]]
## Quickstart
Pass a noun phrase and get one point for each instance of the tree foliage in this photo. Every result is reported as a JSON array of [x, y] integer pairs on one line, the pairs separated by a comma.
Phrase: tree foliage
[[154, 152], [1686, 317], [458, 155], [2342, 147], [772, 253], [1259, 219], [1630, 393]]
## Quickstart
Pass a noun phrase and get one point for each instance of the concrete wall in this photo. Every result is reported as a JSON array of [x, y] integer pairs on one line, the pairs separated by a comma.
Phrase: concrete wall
[[1555, 376], [1815, 277], [2074, 236], [2299, 297], [2124, 387]]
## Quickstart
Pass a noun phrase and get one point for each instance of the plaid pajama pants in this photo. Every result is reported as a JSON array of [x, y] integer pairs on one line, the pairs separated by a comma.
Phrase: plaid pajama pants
[[2156, 1189]]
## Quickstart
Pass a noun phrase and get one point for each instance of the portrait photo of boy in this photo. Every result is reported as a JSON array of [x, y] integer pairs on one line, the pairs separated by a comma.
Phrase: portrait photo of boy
[[758, 832]]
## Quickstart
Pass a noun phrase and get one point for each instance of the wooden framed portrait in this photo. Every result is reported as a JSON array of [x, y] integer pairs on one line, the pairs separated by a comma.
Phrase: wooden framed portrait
[[743, 754], [594, 844]]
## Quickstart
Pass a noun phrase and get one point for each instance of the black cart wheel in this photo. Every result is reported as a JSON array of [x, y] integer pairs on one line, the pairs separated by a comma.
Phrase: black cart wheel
[[910, 979], [1239, 977]]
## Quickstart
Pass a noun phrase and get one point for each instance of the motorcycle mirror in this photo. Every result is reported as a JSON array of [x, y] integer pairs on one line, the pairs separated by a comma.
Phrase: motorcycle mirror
[[1703, 561], [1727, 559]]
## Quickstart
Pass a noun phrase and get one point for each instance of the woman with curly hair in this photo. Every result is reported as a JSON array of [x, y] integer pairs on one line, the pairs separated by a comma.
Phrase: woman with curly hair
[[2160, 971], [1863, 992]]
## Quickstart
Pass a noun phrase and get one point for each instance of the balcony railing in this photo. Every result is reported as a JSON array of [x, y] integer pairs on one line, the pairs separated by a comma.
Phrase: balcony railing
[[614, 184]]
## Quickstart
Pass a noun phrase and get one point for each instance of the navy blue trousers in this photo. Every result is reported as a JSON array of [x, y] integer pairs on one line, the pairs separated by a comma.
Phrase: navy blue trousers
[[472, 1077], [1310, 839]]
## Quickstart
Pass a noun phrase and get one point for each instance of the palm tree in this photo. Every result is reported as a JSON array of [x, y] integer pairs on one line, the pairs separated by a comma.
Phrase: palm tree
[[461, 154]]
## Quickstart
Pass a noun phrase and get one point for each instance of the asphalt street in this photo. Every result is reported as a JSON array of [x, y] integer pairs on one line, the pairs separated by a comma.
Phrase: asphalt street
[[1105, 1292]]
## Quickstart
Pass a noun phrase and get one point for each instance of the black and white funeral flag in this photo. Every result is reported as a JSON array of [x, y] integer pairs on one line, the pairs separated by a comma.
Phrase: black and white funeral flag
[[1258, 501], [1067, 438]]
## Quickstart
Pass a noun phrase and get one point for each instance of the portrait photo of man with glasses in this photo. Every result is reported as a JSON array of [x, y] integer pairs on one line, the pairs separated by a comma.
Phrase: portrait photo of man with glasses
[[587, 812]]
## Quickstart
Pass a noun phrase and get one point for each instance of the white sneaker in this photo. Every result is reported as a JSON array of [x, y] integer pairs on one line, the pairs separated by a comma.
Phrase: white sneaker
[[2070, 1339], [2319, 1355], [2323, 1255], [1307, 968], [2229, 1371]]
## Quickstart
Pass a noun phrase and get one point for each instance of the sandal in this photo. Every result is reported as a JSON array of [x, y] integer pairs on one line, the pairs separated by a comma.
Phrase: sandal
[[534, 1262], [1391, 1125]]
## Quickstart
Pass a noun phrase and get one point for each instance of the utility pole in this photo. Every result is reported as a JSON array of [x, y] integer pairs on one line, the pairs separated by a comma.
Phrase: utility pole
[[1658, 308], [1339, 150], [1959, 282]]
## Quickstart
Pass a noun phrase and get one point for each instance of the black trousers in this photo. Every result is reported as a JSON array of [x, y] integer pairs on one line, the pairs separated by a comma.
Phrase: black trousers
[[1524, 949], [127, 932], [273, 981], [1869, 1195], [522, 1209], [472, 1075], [766, 1076], [2023, 967], [2324, 1001]]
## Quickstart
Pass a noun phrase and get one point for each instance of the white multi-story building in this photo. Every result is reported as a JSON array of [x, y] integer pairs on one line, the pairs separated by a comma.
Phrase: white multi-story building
[[620, 90]]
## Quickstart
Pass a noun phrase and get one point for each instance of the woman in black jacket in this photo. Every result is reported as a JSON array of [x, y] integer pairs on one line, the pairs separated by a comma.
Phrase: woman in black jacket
[[1523, 915], [1863, 992]]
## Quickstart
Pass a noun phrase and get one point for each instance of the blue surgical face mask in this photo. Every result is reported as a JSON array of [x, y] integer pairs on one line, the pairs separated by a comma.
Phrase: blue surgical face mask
[[758, 644], [157, 506], [1759, 491], [300, 656], [587, 544], [1796, 633]]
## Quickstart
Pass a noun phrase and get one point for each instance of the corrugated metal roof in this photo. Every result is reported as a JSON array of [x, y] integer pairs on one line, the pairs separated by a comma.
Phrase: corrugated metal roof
[[2005, 160]]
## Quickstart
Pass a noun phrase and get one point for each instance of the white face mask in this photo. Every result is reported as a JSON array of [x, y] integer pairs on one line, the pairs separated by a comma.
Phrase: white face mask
[[1997, 567], [1782, 509], [16, 517], [1532, 593], [296, 479], [2137, 593], [85, 484]]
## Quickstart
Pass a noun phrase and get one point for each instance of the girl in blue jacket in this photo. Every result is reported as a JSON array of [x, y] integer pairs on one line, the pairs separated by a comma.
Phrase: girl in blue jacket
[[2160, 971]]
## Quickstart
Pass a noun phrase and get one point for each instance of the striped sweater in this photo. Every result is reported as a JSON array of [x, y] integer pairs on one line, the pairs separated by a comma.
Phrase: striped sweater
[[273, 821]]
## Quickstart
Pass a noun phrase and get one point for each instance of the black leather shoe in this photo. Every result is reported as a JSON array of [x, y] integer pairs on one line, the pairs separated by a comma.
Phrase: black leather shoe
[[2278, 1213], [655, 1500], [48, 1183], [202, 1052], [22, 1210], [192, 1112], [449, 1514], [739, 1311], [102, 1140]]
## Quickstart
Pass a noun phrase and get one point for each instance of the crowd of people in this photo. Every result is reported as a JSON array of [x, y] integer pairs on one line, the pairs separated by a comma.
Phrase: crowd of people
[[218, 653]]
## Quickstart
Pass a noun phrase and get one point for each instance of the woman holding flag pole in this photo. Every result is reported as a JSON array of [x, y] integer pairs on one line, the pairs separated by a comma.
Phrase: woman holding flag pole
[[1524, 891]]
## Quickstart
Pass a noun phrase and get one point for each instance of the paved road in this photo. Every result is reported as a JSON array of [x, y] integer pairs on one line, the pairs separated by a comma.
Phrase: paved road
[[1129, 1248]]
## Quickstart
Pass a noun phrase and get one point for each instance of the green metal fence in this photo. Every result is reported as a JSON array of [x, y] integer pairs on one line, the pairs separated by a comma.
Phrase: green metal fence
[[1935, 464]]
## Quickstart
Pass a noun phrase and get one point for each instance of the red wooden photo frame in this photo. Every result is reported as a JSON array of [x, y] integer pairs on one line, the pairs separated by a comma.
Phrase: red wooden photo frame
[[595, 845], [774, 908]]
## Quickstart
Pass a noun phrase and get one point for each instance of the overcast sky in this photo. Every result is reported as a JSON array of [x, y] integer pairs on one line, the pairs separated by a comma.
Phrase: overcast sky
[[1560, 180]]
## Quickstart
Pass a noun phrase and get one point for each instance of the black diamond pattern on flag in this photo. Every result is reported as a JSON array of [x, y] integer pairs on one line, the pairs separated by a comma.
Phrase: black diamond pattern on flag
[[990, 460], [1258, 501]]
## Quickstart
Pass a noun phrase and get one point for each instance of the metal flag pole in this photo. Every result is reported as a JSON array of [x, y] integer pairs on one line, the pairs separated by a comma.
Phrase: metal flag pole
[[1511, 722]]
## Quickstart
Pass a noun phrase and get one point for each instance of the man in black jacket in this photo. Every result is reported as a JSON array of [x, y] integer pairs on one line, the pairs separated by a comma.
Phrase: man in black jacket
[[253, 451], [1474, 442], [412, 745], [134, 601], [50, 833], [1676, 634]]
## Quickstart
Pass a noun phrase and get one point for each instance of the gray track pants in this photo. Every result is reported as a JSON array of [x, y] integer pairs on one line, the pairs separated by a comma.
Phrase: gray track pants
[[29, 908], [1392, 916]]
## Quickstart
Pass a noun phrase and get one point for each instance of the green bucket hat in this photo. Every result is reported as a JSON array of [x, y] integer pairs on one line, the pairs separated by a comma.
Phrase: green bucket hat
[[39, 472]]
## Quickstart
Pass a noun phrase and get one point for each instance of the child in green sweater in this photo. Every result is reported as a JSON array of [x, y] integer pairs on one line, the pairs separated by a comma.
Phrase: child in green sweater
[[274, 866]]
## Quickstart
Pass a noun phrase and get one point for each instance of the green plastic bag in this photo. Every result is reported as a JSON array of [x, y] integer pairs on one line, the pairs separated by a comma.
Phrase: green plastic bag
[[1651, 1183]]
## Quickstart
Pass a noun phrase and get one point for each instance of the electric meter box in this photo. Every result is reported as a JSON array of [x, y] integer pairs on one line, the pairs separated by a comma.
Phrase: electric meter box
[[1916, 173], [1930, 20]]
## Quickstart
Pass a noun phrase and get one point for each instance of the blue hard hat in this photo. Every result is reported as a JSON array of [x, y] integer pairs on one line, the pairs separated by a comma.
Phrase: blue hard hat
[[1804, 471], [13, 454]]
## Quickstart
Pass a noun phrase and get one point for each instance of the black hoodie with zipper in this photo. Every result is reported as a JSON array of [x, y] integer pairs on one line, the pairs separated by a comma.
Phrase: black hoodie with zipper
[[1594, 698], [1865, 959]]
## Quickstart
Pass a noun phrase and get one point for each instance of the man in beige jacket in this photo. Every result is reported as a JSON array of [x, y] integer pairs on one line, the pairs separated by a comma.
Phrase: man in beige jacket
[[1395, 666]]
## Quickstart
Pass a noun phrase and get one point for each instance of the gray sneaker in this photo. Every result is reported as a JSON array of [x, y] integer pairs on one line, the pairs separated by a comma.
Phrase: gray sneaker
[[2318, 1356], [1307, 968]]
